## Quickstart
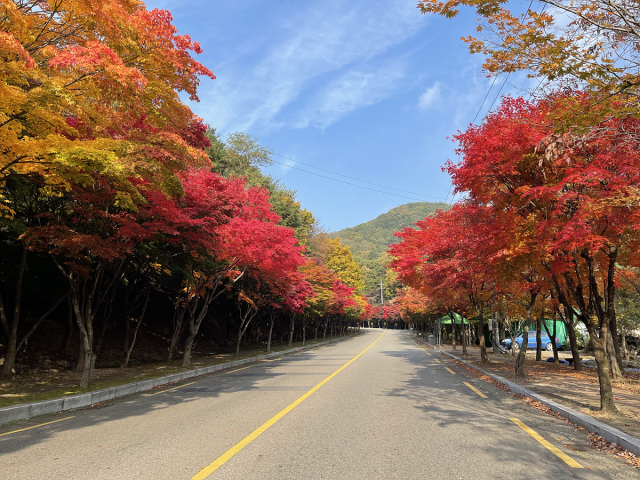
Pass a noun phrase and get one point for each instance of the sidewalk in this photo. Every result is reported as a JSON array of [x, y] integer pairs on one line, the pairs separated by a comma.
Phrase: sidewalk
[[561, 383]]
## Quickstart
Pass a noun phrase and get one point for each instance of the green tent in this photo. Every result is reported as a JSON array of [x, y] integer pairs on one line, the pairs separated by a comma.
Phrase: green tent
[[446, 320], [561, 330]]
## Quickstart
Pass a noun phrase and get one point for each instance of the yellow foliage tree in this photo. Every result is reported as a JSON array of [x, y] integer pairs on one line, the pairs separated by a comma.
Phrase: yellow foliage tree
[[340, 260], [90, 86]]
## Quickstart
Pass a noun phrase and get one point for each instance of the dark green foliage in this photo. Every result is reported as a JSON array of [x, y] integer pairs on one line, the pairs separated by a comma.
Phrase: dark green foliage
[[369, 241], [240, 155]]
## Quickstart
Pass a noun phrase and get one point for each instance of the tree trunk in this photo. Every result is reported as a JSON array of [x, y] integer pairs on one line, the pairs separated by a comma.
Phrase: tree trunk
[[270, 333], [135, 332], [464, 339], [607, 402], [188, 343], [616, 372], [552, 336], [553, 342], [453, 331], [522, 355], [610, 305], [81, 355], [483, 348], [244, 324], [178, 318], [573, 343], [613, 328], [10, 359], [195, 320], [303, 333], [197, 316], [324, 333], [245, 321], [88, 364], [291, 330], [539, 336], [84, 320], [12, 331], [88, 357], [133, 342]]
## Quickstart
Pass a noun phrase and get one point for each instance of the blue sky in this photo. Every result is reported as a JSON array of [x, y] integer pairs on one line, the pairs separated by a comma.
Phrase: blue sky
[[369, 89]]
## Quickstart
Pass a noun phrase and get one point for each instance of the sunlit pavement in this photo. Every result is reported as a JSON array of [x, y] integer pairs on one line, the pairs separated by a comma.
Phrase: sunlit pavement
[[375, 406]]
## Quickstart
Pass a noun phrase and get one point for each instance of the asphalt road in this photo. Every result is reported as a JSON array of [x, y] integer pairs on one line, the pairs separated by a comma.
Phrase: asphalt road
[[396, 411]]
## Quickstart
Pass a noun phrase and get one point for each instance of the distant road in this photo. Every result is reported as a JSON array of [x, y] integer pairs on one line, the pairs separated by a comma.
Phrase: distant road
[[393, 412]]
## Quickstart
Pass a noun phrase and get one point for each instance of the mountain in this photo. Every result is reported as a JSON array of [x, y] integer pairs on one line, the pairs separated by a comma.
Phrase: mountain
[[370, 240]]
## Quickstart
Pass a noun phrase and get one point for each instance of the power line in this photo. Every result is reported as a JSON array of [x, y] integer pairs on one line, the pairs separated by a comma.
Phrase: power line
[[485, 99], [352, 184], [383, 186], [499, 92], [351, 178], [448, 192], [496, 77], [494, 98]]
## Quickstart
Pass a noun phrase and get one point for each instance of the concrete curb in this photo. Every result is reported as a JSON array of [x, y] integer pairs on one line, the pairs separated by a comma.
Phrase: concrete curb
[[28, 410], [592, 425]]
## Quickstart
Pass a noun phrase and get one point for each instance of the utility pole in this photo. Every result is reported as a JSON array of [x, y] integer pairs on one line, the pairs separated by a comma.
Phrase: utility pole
[[381, 294]]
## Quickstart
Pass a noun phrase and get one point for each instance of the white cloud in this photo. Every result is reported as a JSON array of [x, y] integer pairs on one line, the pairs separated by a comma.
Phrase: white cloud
[[285, 165], [332, 37], [430, 96], [351, 91]]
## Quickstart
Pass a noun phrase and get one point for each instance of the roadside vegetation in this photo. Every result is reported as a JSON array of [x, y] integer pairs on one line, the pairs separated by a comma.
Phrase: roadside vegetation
[[548, 227], [124, 217]]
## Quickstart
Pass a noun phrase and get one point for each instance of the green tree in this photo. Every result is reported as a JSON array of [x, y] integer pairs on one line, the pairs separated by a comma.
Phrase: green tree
[[241, 155]]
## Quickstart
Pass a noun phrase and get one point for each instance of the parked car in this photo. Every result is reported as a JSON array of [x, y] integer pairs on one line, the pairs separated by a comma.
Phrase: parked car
[[545, 340]]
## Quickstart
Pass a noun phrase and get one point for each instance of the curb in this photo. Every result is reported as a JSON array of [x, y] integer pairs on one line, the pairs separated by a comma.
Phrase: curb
[[28, 410], [592, 425]]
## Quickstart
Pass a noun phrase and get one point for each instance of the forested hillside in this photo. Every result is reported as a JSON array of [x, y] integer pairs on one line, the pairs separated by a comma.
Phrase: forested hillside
[[369, 241]]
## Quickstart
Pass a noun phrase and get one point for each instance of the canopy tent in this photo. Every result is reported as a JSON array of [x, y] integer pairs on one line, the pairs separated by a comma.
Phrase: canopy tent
[[446, 320]]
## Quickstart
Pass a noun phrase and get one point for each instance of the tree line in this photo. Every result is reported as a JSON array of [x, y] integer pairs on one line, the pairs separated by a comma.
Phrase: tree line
[[121, 206], [549, 220]]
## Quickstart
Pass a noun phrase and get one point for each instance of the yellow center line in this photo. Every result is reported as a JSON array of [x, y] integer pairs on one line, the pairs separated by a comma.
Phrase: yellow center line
[[35, 426], [437, 360], [428, 353], [559, 453], [449, 370], [221, 460], [475, 390], [272, 360], [167, 390], [238, 369]]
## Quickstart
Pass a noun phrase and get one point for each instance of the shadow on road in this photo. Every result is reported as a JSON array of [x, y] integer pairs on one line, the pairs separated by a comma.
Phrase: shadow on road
[[453, 410], [140, 404]]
